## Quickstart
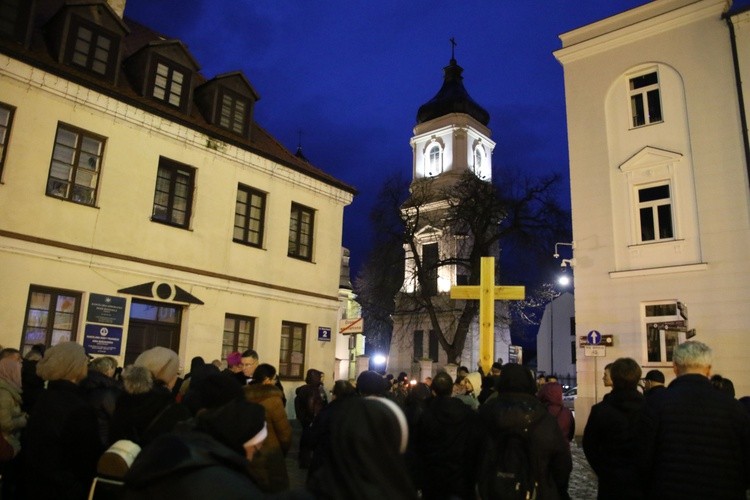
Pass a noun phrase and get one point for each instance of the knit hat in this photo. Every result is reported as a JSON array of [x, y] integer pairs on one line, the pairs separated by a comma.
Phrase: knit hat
[[234, 424], [64, 361], [234, 359], [476, 381], [370, 383], [163, 363], [654, 376]]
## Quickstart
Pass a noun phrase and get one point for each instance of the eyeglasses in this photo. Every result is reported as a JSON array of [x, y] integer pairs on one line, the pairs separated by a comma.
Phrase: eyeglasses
[[252, 363]]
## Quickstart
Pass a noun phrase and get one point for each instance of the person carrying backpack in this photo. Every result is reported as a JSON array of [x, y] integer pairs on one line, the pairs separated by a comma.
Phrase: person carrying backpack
[[526, 456]]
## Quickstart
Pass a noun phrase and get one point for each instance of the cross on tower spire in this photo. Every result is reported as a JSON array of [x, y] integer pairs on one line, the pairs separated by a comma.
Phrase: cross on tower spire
[[453, 47]]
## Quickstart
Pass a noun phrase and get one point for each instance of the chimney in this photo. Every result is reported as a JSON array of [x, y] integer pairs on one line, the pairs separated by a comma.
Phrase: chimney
[[118, 6]]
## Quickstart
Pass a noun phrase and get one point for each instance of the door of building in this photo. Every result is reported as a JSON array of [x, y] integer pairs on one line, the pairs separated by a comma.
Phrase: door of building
[[152, 324]]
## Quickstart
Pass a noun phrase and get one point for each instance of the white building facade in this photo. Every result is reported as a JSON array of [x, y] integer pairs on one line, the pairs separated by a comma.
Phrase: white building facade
[[658, 142], [142, 206]]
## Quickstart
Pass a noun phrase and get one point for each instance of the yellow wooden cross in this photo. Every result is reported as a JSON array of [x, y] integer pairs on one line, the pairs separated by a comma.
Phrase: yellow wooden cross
[[487, 293]]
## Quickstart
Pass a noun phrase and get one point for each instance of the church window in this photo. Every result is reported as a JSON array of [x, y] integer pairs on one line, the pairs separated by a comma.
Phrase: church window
[[418, 344], [478, 160], [429, 269], [435, 161], [645, 102]]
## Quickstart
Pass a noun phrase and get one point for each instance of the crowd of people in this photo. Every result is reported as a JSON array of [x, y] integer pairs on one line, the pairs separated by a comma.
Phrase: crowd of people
[[69, 422]]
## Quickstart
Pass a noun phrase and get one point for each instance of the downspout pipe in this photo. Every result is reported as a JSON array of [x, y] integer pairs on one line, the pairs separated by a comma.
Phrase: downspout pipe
[[740, 96]]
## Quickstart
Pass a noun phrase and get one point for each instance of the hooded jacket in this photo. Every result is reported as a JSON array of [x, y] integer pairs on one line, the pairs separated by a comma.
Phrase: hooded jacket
[[551, 397]]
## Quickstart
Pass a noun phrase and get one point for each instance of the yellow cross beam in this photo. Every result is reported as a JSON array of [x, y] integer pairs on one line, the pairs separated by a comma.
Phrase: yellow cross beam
[[487, 293]]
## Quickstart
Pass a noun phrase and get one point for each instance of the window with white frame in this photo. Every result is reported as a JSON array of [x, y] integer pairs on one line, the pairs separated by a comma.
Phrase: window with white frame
[[170, 83], [645, 101], [93, 48], [655, 212], [665, 327], [478, 156], [434, 161]]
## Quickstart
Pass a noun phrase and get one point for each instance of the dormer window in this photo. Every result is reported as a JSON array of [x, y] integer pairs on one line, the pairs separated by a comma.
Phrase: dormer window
[[168, 84], [233, 114], [93, 48]]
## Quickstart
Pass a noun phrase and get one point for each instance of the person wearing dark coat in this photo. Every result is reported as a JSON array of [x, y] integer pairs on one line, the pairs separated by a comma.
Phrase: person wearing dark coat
[[611, 435], [102, 392], [653, 383], [368, 439], [447, 439], [61, 444], [31, 383], [307, 404], [695, 440], [145, 409], [516, 408], [207, 458], [320, 430]]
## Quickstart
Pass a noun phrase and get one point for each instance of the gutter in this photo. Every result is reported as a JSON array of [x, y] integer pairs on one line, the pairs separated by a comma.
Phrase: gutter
[[740, 96]]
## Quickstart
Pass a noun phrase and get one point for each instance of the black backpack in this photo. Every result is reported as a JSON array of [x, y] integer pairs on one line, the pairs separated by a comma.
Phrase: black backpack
[[509, 475]]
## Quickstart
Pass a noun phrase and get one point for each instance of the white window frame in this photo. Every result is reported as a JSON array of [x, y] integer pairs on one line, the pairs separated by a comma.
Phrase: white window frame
[[653, 206], [670, 328], [433, 164], [641, 95]]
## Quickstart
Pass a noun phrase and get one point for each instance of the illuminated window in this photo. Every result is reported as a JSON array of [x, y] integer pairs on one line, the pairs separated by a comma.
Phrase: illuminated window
[[173, 196], [301, 232], [51, 317], [74, 169], [233, 113], [169, 84], [434, 161], [249, 216], [645, 102], [292, 354], [92, 48]]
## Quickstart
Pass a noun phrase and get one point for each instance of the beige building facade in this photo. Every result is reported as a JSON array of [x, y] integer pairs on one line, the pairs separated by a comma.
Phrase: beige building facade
[[142, 205], [658, 142]]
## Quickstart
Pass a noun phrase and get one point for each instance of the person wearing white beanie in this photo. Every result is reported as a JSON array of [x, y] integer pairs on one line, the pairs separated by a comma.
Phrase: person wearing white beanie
[[163, 364]]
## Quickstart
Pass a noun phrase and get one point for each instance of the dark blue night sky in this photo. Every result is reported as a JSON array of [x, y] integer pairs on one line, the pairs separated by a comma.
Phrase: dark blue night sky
[[351, 74]]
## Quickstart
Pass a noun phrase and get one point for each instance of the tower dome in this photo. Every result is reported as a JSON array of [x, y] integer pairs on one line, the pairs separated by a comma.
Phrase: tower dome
[[452, 98]]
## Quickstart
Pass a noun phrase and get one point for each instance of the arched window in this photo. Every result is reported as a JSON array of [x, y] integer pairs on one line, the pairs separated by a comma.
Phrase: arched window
[[435, 165], [477, 160]]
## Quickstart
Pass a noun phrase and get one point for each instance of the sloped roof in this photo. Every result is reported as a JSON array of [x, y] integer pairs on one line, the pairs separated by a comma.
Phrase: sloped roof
[[260, 142]]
